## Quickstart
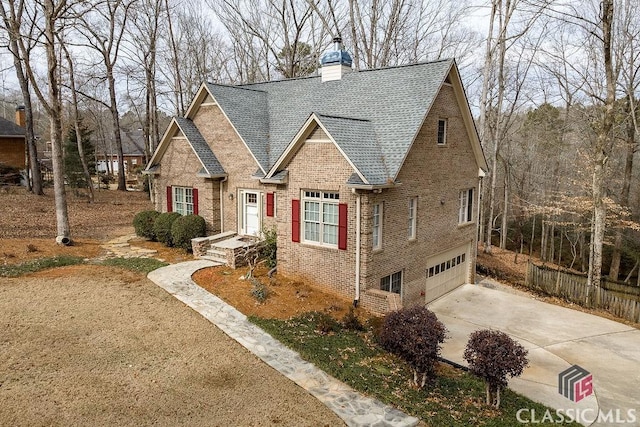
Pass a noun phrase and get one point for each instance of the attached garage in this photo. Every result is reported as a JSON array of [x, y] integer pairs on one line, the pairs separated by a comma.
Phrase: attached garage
[[446, 271]]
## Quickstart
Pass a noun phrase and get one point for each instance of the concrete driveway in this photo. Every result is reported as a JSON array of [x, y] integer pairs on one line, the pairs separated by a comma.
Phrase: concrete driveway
[[556, 338]]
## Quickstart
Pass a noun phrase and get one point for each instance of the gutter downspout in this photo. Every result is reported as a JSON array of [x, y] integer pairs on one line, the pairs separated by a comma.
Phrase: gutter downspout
[[358, 241], [222, 204], [472, 273]]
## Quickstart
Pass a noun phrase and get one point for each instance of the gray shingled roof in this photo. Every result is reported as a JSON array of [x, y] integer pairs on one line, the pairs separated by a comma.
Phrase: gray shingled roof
[[248, 111], [357, 140], [209, 161], [388, 106], [9, 128]]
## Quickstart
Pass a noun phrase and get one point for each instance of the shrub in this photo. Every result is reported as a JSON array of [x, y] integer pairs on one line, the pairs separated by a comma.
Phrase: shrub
[[270, 246], [186, 228], [143, 223], [351, 322], [259, 291], [162, 227], [9, 175], [414, 334], [493, 355], [325, 324]]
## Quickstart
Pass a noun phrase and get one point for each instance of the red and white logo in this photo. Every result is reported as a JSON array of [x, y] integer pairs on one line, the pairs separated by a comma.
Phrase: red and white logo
[[575, 383]]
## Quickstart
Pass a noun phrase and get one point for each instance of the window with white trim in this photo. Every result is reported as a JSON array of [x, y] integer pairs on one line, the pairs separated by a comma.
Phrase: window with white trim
[[465, 211], [392, 283], [183, 200], [377, 225], [413, 213], [320, 217], [442, 131]]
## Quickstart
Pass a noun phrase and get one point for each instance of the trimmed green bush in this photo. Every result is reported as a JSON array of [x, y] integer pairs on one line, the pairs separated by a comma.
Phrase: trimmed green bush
[[186, 228], [143, 223], [162, 227]]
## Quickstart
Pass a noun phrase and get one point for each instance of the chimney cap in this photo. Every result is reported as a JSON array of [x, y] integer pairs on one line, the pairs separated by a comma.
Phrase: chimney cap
[[337, 56]]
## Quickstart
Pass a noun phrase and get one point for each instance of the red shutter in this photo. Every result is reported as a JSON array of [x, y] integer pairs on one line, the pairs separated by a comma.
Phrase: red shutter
[[295, 220], [342, 226], [195, 200], [269, 204], [169, 199]]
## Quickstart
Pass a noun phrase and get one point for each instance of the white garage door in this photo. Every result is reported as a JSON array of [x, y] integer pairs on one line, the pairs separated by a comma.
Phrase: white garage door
[[446, 271]]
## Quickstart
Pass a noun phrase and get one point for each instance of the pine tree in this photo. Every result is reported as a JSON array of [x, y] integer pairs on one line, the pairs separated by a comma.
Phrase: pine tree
[[72, 163]]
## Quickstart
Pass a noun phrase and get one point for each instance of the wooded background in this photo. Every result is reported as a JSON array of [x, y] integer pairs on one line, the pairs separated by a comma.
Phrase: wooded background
[[552, 85]]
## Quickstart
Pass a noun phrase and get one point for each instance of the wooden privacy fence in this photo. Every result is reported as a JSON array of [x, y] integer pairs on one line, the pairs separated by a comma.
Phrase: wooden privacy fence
[[620, 299]]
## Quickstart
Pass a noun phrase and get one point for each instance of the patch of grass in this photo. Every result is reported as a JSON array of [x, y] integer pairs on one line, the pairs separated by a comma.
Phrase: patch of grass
[[139, 265], [455, 399], [38, 264]]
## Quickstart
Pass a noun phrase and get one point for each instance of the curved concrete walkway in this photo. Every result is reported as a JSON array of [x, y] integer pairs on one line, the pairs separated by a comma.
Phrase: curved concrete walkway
[[557, 338], [354, 408]]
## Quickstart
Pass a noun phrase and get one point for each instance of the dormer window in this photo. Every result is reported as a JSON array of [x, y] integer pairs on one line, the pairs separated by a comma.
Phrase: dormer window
[[442, 131]]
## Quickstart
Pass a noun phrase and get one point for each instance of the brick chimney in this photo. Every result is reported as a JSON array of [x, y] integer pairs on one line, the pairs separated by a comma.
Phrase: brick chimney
[[21, 119]]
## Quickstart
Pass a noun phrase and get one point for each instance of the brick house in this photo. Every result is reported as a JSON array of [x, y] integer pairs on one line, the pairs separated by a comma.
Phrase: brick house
[[13, 141], [369, 177]]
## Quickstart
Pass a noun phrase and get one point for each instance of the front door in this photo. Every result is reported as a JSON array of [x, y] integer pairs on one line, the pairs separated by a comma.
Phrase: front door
[[250, 213]]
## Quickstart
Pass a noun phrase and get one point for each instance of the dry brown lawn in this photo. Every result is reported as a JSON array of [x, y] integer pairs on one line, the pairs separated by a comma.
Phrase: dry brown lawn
[[93, 345]]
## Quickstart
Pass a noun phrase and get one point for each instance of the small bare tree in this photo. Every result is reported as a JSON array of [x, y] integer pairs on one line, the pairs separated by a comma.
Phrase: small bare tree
[[494, 356]]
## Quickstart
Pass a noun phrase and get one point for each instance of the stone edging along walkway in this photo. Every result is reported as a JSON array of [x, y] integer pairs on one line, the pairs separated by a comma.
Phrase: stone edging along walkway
[[354, 408]]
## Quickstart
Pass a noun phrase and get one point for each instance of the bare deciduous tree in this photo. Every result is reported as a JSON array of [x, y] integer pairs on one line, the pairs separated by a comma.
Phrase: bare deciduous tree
[[103, 30], [21, 43]]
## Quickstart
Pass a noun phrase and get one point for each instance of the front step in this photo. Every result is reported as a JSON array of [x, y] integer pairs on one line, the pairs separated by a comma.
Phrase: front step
[[216, 256]]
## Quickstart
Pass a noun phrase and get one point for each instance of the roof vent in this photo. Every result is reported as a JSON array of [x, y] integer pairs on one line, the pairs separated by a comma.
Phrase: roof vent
[[336, 62]]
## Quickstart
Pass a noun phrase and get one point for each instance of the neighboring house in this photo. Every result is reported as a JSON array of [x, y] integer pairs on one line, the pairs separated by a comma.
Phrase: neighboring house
[[13, 141], [132, 149], [370, 177]]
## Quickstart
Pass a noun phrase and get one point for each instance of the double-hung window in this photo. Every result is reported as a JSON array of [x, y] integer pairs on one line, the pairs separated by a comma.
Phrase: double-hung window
[[377, 226], [413, 213], [320, 217], [392, 283], [183, 200], [466, 206]]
